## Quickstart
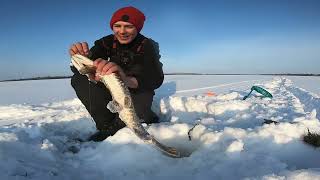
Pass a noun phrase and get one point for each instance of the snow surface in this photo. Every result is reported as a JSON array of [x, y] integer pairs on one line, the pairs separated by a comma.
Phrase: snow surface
[[39, 119]]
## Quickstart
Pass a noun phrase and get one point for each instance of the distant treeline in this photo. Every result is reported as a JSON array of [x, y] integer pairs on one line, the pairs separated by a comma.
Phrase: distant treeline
[[65, 77], [38, 78]]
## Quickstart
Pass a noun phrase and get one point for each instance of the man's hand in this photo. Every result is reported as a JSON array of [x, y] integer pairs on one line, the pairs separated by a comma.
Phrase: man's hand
[[79, 48], [105, 67]]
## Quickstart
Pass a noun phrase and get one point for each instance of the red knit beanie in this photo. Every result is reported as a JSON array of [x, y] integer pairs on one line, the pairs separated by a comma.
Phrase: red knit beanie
[[129, 14]]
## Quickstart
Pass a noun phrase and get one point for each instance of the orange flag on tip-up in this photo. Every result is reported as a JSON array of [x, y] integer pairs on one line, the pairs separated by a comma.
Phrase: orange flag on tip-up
[[210, 93]]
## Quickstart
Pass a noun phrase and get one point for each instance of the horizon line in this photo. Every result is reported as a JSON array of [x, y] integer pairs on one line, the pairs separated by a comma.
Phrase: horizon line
[[181, 73]]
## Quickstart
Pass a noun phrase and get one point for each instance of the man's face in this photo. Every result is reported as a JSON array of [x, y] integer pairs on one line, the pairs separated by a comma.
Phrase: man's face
[[125, 32]]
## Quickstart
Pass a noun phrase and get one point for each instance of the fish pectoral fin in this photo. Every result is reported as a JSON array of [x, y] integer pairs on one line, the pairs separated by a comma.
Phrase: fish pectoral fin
[[114, 107]]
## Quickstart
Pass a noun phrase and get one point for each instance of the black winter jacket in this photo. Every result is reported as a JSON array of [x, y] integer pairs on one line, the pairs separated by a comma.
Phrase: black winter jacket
[[144, 65]]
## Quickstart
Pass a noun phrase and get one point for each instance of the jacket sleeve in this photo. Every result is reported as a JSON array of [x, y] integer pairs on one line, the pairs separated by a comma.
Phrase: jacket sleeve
[[149, 74]]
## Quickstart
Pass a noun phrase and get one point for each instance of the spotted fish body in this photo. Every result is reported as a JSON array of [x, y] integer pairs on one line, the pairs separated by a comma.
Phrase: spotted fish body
[[122, 103]]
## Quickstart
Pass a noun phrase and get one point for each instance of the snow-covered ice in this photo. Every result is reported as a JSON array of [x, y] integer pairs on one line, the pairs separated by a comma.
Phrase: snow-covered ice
[[39, 119]]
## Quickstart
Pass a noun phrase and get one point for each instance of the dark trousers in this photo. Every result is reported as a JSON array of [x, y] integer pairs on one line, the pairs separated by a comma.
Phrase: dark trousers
[[95, 97]]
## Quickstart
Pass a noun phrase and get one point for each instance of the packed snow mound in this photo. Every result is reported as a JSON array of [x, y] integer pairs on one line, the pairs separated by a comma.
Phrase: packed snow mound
[[228, 140]]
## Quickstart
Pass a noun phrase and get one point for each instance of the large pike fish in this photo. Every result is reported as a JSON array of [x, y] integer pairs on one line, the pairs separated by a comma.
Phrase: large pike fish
[[122, 103]]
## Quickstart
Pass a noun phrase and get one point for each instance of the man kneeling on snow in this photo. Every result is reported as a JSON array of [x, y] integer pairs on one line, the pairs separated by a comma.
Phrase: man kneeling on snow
[[134, 57]]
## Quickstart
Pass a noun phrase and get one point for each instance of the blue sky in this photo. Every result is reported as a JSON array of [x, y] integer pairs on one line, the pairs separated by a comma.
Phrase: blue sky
[[226, 36]]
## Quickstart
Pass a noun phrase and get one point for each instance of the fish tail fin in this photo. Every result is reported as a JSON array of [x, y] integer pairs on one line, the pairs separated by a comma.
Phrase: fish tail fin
[[169, 151]]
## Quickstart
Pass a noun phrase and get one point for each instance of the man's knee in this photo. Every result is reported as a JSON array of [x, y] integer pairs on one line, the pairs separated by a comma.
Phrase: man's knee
[[79, 82], [142, 103]]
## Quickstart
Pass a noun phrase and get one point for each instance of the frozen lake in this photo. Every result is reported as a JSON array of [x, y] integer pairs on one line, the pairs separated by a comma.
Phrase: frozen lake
[[43, 91], [39, 121]]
